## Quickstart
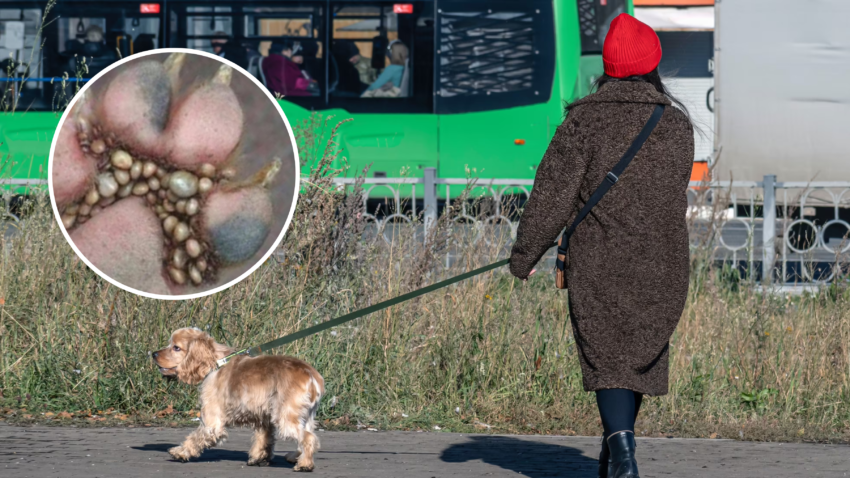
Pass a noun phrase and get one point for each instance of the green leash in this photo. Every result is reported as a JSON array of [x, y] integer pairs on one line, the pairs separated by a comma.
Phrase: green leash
[[259, 349]]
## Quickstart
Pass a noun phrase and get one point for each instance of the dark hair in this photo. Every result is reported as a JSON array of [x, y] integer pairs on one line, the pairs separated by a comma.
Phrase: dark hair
[[310, 48], [654, 79], [144, 42], [345, 49], [282, 44]]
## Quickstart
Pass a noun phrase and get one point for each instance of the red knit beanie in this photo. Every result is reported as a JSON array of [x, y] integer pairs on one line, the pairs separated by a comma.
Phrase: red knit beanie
[[631, 48]]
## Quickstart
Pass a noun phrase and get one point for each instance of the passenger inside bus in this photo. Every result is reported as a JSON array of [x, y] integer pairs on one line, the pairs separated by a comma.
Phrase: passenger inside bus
[[225, 47], [310, 63], [144, 42], [282, 75], [94, 51], [346, 56], [364, 67], [389, 83]]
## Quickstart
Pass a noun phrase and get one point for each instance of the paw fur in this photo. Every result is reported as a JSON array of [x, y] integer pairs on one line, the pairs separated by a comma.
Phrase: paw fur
[[265, 461], [178, 453]]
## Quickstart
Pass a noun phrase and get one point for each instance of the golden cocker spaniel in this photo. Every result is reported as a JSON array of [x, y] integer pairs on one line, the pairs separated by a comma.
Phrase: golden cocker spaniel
[[275, 395]]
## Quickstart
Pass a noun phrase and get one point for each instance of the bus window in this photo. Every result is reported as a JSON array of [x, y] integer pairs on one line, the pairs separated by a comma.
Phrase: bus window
[[299, 22], [203, 24], [80, 39], [381, 60], [499, 55], [289, 40], [210, 29], [595, 18], [86, 37], [18, 32], [355, 30], [87, 45], [278, 43]]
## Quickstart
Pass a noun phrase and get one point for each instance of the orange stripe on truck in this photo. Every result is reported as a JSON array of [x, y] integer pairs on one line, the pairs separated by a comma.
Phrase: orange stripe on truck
[[673, 3], [700, 171]]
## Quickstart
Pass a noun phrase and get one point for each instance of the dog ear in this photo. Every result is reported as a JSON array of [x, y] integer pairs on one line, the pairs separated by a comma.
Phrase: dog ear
[[200, 360]]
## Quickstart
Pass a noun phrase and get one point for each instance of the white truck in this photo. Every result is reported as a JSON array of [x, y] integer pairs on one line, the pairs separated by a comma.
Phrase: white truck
[[782, 90]]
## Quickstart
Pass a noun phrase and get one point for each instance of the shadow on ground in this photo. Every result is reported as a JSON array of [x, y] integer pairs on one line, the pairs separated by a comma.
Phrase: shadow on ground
[[213, 455], [529, 458]]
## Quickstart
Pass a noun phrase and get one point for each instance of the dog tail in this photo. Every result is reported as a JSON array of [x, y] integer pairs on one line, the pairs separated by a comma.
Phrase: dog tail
[[315, 389]]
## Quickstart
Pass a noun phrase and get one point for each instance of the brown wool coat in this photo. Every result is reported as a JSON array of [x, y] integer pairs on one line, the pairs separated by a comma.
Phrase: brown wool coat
[[628, 261]]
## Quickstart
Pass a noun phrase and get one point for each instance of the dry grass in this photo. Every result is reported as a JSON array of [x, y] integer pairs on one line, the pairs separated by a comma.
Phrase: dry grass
[[486, 354]]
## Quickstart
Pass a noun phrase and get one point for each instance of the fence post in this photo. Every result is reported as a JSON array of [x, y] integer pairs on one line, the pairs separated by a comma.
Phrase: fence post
[[430, 208], [769, 229]]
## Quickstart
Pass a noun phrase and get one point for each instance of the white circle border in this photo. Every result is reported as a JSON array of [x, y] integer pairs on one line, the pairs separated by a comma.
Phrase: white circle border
[[289, 216]]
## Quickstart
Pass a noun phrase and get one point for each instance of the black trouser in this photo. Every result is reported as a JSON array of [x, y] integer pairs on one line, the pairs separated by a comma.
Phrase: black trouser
[[618, 409]]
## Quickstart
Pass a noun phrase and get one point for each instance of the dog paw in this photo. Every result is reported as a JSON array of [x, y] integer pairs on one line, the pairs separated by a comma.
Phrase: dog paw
[[178, 453], [304, 468], [292, 457], [265, 461]]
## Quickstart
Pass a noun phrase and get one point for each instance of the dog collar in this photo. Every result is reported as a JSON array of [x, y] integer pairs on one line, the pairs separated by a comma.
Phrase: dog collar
[[223, 362]]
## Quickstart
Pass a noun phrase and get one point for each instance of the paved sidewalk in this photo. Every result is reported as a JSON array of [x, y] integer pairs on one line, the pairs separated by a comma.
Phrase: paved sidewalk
[[136, 452]]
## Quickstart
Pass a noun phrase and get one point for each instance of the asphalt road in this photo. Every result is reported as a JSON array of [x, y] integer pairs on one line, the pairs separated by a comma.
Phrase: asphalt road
[[121, 452]]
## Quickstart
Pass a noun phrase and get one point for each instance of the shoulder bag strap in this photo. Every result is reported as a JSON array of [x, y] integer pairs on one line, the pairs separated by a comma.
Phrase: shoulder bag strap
[[610, 179]]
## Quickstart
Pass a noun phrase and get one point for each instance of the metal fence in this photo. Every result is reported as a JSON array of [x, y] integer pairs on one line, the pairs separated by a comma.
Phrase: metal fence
[[801, 230], [781, 231]]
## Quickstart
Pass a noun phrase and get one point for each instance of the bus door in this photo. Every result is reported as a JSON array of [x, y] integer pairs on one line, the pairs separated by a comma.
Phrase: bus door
[[496, 68]]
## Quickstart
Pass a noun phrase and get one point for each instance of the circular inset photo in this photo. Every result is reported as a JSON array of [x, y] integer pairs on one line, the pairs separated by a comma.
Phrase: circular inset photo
[[173, 174]]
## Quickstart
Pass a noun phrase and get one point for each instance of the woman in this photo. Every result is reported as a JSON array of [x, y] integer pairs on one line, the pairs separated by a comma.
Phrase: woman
[[310, 64], [392, 74], [283, 75], [347, 56], [628, 262]]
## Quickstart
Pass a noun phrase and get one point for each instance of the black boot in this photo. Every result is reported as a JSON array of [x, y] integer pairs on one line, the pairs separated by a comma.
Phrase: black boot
[[623, 464], [604, 459]]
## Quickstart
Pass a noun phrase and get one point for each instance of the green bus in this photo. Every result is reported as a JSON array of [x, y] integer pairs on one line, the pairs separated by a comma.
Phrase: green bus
[[483, 87]]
